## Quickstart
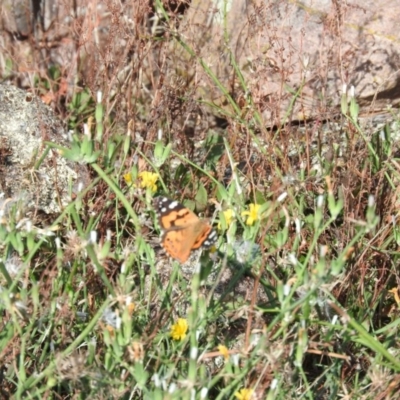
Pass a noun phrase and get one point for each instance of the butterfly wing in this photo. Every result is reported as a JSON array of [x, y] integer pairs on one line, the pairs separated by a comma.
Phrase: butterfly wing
[[205, 236], [179, 243], [182, 229]]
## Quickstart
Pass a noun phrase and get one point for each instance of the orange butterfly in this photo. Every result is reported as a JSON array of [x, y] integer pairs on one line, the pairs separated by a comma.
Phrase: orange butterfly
[[182, 230]]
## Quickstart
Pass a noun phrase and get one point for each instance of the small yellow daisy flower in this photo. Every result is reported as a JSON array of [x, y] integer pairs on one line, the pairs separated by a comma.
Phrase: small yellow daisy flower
[[252, 214], [244, 394], [224, 351], [229, 214], [148, 180], [128, 178], [179, 329]]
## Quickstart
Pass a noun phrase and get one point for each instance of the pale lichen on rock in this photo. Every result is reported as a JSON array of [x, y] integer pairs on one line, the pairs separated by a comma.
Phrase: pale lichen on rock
[[26, 124]]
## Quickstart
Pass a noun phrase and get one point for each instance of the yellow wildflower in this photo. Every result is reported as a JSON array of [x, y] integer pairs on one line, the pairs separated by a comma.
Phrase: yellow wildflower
[[244, 394], [252, 214], [395, 295], [128, 178], [228, 215], [179, 329], [224, 351], [148, 180]]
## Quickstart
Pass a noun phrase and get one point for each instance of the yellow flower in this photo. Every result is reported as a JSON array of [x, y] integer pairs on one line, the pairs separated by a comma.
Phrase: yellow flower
[[224, 351], [252, 214], [395, 295], [148, 180], [128, 178], [179, 329], [244, 394], [228, 215]]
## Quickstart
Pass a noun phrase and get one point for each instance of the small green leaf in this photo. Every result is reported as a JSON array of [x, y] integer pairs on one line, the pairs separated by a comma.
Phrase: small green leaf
[[201, 197], [354, 109], [140, 375], [161, 153], [282, 237], [279, 291], [344, 104]]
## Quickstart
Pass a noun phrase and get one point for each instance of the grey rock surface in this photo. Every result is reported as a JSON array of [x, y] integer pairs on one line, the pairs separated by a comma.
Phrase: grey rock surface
[[25, 125]]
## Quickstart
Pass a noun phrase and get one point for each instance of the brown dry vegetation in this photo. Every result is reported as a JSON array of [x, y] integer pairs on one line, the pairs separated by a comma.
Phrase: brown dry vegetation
[[153, 80]]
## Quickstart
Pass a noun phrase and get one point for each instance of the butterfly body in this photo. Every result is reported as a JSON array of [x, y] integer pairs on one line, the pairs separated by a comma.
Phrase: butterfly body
[[182, 230]]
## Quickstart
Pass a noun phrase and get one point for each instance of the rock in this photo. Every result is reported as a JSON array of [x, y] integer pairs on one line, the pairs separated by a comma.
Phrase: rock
[[25, 125], [312, 47], [295, 56]]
